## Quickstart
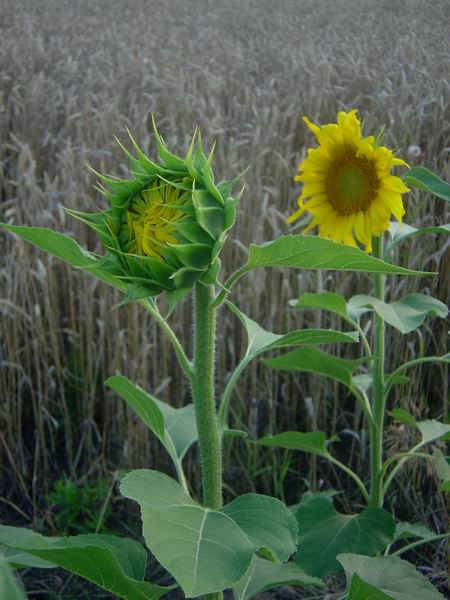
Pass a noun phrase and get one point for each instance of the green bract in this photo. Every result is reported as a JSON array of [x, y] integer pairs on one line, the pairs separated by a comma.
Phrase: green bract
[[167, 222]]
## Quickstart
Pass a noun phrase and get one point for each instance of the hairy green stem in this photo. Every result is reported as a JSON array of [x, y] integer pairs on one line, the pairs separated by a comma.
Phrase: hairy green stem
[[226, 396], [204, 397], [379, 399]]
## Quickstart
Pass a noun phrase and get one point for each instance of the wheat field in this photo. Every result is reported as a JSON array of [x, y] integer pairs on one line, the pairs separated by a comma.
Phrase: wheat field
[[74, 73]]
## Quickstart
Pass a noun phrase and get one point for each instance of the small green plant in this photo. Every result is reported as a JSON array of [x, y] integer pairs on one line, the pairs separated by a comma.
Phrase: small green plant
[[163, 234], [80, 507]]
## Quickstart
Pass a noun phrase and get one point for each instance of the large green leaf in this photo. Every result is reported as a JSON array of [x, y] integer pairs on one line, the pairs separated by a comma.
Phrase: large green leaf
[[330, 301], [311, 360], [67, 250], [405, 531], [115, 564], [393, 576], [310, 252], [259, 340], [176, 428], [268, 524], [204, 549], [264, 575], [401, 231], [423, 179], [314, 442], [360, 590], [442, 468], [433, 430], [19, 559], [324, 533], [430, 429], [406, 314], [10, 588]]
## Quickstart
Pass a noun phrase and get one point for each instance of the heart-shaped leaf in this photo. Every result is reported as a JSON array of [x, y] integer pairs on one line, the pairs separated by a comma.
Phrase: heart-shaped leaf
[[391, 575], [433, 430], [264, 575], [314, 442], [260, 340], [406, 530], [360, 590], [205, 550], [267, 523], [443, 469], [423, 179], [330, 301], [310, 252], [176, 428], [406, 314], [430, 429], [67, 250], [401, 231], [324, 533], [312, 360], [113, 563]]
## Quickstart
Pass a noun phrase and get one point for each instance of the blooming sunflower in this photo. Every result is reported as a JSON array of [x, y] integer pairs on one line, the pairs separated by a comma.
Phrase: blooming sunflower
[[347, 183]]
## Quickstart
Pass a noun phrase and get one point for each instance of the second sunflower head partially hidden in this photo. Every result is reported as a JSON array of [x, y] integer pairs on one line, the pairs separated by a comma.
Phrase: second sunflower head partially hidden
[[347, 183]]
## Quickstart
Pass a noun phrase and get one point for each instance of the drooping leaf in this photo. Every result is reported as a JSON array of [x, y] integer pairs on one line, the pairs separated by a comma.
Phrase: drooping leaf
[[268, 523], [260, 340], [324, 533], [404, 417], [314, 442], [176, 428], [364, 381], [310, 252], [442, 468], [401, 231], [430, 429], [113, 563], [330, 301], [406, 314], [311, 360], [19, 559], [423, 179], [67, 250], [360, 590], [406, 530], [10, 588], [395, 577], [433, 430], [204, 549], [264, 575]]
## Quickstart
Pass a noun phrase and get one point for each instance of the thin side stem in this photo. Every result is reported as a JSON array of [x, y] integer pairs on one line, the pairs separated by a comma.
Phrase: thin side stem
[[413, 363], [400, 464], [226, 396], [204, 397], [379, 400], [435, 538], [185, 363], [352, 474], [401, 456]]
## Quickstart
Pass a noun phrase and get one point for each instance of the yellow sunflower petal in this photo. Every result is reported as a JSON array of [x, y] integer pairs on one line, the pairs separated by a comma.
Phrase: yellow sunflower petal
[[347, 183]]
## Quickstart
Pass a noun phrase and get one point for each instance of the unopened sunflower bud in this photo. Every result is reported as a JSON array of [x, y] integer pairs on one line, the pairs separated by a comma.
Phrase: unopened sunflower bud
[[167, 223]]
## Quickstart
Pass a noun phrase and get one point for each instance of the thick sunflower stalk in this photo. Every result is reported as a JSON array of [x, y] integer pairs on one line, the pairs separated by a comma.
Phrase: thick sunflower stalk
[[167, 222]]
